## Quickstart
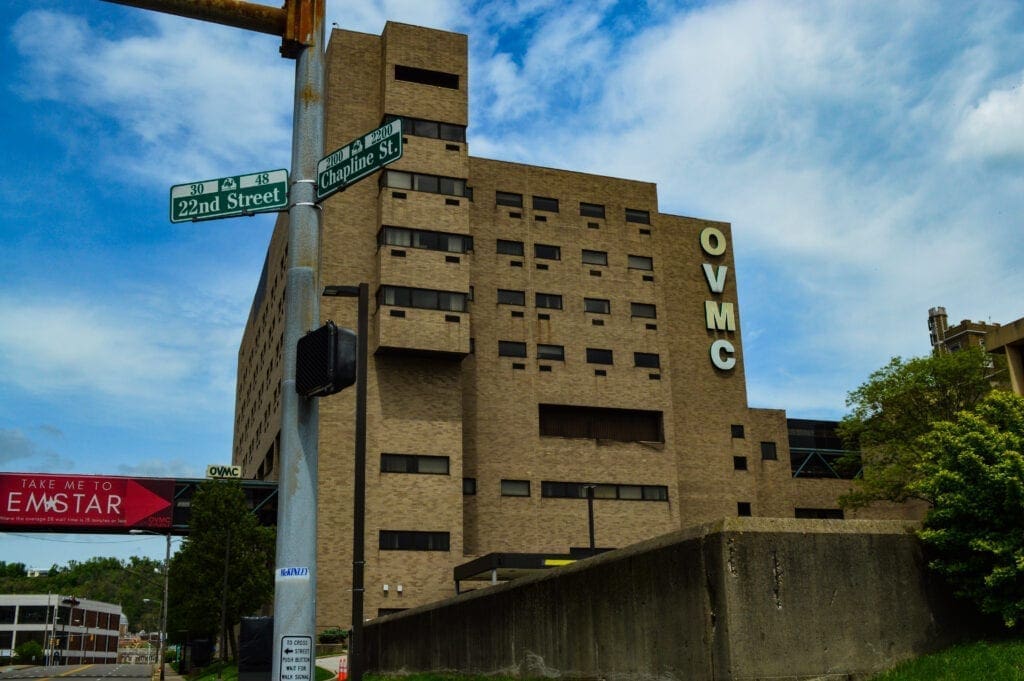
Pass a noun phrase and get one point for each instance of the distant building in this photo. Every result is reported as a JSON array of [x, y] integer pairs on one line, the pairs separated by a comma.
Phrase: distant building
[[966, 334], [70, 630], [1009, 340]]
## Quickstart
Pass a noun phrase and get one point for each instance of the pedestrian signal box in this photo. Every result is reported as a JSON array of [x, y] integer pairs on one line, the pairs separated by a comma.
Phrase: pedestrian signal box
[[325, 361]]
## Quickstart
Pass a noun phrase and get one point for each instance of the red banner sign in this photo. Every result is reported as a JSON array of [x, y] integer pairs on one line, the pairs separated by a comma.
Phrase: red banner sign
[[83, 502]]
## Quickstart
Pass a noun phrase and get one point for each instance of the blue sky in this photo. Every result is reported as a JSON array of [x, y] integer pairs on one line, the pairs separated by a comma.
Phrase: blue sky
[[869, 155]]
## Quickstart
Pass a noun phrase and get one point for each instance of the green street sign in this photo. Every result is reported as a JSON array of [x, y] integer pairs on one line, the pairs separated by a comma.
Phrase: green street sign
[[361, 157], [229, 196]]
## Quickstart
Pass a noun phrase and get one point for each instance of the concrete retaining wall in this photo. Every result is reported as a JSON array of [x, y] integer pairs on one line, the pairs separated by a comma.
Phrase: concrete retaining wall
[[743, 598]]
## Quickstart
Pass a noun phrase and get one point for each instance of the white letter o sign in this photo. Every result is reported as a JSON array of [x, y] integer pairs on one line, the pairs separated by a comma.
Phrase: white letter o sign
[[712, 241]]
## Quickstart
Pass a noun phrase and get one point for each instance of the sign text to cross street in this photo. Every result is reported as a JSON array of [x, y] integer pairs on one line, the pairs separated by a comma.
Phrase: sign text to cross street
[[296, 658], [361, 157], [229, 196]]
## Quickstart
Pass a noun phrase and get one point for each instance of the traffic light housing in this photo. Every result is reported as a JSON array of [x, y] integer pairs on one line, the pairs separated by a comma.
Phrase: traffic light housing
[[325, 361]]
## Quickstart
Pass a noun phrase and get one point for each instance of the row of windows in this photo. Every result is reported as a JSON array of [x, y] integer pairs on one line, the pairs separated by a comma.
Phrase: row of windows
[[414, 463], [427, 299], [424, 238], [412, 540], [590, 210], [433, 129], [649, 360], [553, 301], [422, 182], [588, 257]]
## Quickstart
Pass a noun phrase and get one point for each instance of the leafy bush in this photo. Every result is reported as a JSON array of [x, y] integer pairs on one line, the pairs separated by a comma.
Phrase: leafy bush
[[332, 635]]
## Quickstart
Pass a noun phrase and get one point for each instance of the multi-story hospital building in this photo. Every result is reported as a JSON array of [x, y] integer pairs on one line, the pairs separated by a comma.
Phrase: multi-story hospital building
[[535, 333]]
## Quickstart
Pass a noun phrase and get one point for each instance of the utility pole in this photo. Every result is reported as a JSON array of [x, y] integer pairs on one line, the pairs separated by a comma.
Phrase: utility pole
[[300, 23]]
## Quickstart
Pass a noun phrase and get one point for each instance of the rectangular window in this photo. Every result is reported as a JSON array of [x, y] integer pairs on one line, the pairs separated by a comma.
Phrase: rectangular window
[[546, 252], [648, 360], [424, 238], [549, 300], [743, 508], [600, 423], [414, 463], [739, 463], [413, 74], [506, 247], [469, 486], [591, 210], [643, 310], [597, 305], [396, 179], [511, 349], [551, 352], [509, 297], [401, 296], [452, 132], [598, 356], [515, 488], [433, 129], [595, 257], [635, 215], [411, 540], [422, 128], [737, 430], [552, 489], [508, 199], [768, 451], [421, 182], [640, 262], [543, 203]]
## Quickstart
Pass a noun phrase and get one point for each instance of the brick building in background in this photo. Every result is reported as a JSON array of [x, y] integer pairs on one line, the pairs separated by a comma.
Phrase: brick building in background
[[535, 332]]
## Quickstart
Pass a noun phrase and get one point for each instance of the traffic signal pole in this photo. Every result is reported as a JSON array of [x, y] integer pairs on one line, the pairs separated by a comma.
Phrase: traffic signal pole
[[300, 23], [295, 576]]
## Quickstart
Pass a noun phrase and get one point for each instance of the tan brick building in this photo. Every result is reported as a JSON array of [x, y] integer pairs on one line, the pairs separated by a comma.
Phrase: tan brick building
[[535, 331]]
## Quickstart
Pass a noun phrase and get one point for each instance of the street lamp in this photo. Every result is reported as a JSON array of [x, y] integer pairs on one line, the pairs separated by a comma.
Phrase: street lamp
[[163, 606]]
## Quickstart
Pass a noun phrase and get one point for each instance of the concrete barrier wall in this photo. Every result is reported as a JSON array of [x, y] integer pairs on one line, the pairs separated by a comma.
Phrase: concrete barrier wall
[[743, 598]]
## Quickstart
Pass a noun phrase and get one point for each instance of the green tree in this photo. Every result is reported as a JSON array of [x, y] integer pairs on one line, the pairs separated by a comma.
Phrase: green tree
[[226, 545], [974, 475], [897, 405], [29, 652]]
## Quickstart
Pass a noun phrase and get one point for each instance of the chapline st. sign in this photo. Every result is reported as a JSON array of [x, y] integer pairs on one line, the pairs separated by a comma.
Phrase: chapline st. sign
[[361, 157], [224, 197]]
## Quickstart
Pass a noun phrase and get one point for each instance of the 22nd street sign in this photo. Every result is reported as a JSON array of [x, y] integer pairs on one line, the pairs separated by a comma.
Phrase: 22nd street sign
[[357, 159], [228, 196]]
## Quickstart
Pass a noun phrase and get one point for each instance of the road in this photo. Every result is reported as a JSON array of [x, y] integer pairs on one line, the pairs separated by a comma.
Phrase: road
[[81, 672]]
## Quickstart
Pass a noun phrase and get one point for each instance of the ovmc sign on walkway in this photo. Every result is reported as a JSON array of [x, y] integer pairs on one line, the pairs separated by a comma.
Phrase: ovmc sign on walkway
[[224, 197], [357, 159]]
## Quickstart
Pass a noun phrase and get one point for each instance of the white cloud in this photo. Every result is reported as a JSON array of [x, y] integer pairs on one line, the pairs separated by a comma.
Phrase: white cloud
[[994, 128], [188, 100], [147, 355]]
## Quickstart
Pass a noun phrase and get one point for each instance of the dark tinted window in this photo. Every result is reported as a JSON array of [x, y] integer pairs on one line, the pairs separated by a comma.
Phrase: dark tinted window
[[546, 252], [508, 199], [509, 297], [511, 349], [641, 216], [506, 247], [591, 210], [543, 203], [598, 356], [413, 74], [649, 360]]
